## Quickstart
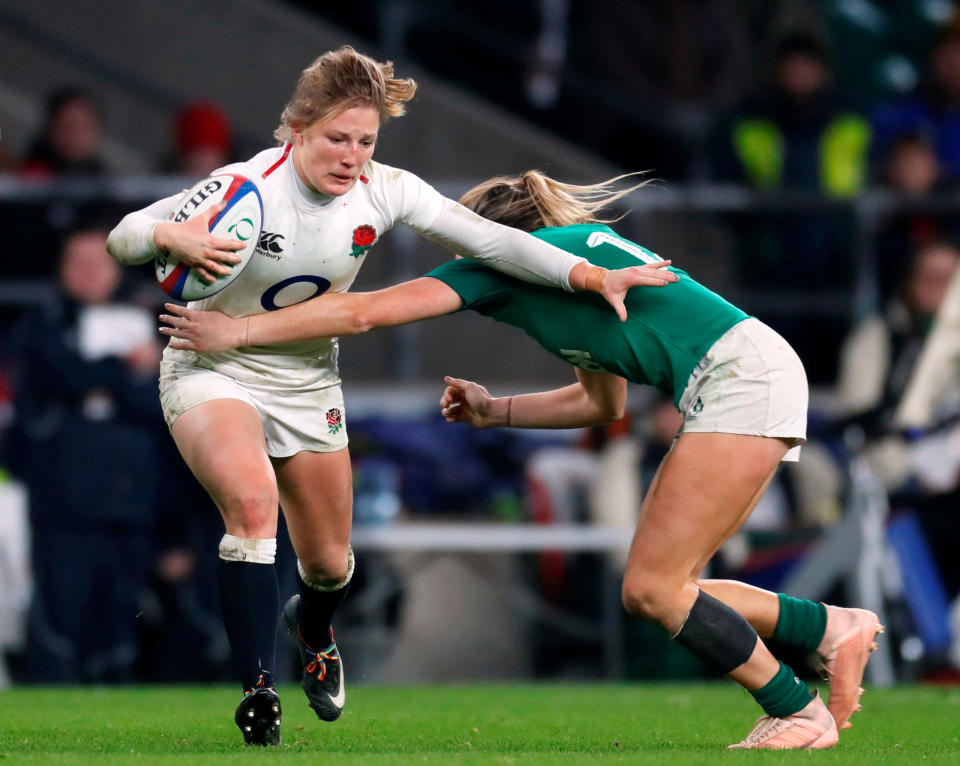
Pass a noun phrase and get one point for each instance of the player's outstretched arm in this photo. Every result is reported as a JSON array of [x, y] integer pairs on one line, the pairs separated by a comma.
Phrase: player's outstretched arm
[[526, 257], [598, 398], [329, 315]]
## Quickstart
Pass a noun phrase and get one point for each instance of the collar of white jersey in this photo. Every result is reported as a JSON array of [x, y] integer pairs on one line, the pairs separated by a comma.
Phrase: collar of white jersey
[[314, 198]]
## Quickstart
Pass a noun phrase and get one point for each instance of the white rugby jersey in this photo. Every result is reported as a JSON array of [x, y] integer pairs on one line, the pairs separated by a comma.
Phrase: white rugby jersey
[[314, 243]]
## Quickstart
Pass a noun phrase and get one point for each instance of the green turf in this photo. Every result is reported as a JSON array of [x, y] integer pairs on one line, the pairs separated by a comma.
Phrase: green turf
[[519, 724]]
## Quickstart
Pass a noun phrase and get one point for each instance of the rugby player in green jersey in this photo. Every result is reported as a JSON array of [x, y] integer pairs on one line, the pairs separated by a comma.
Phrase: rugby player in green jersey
[[742, 392]]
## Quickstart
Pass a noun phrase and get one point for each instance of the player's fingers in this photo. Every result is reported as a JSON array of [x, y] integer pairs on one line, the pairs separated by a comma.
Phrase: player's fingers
[[620, 308], [215, 267], [174, 332], [213, 211], [658, 269], [228, 244], [184, 345], [183, 311], [205, 275]]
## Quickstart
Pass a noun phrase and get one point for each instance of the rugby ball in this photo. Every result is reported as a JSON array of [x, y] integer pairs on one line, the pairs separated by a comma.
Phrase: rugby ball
[[241, 219]]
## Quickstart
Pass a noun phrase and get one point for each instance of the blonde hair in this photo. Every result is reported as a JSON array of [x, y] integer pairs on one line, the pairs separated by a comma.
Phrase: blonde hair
[[534, 200], [340, 80]]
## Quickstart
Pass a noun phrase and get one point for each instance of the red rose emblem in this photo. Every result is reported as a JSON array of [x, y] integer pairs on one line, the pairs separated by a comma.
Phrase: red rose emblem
[[333, 416], [364, 236]]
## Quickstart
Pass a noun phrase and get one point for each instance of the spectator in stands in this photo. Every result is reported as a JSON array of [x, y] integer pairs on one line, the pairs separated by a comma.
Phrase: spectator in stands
[[875, 369], [203, 140], [913, 171], [912, 167], [660, 68], [69, 141], [933, 109], [878, 356], [88, 423], [798, 136], [797, 133]]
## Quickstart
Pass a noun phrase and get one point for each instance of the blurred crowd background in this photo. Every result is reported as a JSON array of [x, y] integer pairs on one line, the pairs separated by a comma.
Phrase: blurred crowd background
[[806, 165]]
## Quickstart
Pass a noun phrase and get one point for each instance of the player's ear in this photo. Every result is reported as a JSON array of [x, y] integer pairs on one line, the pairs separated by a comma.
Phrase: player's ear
[[298, 133]]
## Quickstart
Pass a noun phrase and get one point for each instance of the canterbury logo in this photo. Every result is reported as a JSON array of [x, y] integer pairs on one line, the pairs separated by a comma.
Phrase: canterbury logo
[[270, 242]]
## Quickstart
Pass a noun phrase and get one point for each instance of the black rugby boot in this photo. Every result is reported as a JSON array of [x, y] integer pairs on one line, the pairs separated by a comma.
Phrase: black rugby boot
[[322, 669]]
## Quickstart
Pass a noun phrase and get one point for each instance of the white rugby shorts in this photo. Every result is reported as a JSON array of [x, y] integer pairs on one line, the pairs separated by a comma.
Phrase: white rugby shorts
[[309, 419], [750, 382]]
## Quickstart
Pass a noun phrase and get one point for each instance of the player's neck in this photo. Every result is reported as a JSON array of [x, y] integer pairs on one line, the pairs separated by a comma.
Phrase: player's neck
[[310, 195]]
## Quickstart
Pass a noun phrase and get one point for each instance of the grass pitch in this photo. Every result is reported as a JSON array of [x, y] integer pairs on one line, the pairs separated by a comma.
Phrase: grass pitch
[[515, 724]]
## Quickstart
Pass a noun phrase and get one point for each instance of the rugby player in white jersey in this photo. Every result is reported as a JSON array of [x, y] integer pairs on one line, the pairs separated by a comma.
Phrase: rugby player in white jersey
[[264, 425]]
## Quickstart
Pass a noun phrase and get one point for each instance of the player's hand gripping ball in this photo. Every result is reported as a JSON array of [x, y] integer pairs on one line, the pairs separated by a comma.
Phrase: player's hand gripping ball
[[241, 219]]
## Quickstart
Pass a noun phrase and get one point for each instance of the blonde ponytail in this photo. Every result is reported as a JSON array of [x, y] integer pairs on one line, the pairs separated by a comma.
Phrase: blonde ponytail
[[534, 200]]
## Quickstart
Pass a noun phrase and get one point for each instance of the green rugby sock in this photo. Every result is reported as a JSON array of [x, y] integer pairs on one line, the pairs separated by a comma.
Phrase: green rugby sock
[[802, 623], [784, 695]]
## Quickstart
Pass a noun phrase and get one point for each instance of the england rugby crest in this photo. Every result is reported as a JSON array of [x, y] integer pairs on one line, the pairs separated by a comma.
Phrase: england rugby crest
[[363, 239], [334, 420]]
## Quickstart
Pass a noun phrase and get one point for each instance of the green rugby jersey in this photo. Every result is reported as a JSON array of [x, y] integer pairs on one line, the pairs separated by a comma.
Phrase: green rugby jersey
[[668, 330]]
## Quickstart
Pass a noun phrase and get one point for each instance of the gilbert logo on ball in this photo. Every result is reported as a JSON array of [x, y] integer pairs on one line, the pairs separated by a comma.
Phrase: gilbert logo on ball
[[241, 219]]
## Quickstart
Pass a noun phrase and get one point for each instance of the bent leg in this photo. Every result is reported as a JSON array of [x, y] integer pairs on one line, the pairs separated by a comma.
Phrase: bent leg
[[222, 442], [316, 490], [316, 493], [761, 608], [705, 485], [317, 499]]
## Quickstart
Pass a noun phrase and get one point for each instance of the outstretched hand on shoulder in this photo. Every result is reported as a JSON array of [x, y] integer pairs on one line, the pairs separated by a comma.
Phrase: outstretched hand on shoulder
[[617, 282]]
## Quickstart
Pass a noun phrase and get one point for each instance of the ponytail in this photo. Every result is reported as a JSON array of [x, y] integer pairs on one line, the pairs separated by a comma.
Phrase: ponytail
[[534, 200]]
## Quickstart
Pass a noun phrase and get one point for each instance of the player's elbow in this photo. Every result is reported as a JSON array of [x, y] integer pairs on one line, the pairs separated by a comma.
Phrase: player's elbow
[[114, 245], [610, 412], [359, 322], [609, 409], [366, 313]]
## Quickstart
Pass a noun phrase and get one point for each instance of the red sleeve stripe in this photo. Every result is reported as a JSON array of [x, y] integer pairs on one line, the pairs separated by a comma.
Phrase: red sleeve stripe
[[278, 163]]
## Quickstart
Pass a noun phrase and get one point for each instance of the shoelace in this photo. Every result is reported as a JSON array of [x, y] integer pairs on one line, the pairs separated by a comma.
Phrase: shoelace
[[318, 664], [766, 725], [261, 682]]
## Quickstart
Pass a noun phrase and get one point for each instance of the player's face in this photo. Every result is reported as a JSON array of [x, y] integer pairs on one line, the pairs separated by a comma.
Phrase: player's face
[[329, 155]]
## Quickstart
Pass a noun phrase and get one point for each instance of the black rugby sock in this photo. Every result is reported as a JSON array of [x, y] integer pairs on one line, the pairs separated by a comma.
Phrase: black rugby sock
[[250, 603], [316, 613]]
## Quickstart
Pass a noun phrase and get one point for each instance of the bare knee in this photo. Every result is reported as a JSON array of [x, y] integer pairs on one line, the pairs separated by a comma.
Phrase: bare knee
[[650, 600], [251, 511], [326, 565]]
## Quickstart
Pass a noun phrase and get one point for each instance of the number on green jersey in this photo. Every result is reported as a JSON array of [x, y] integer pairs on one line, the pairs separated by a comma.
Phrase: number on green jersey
[[606, 238], [581, 359]]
